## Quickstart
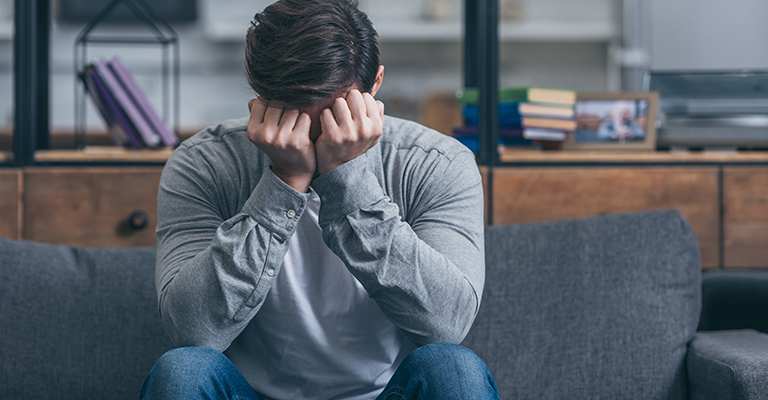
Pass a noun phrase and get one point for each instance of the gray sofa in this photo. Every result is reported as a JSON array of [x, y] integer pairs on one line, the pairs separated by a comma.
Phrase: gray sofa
[[597, 308]]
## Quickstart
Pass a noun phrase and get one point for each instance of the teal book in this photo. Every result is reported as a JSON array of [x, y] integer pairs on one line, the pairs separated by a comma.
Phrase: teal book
[[562, 97]]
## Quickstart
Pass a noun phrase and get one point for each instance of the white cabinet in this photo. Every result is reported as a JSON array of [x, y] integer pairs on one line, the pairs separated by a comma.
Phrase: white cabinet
[[442, 20], [228, 20], [6, 20], [6, 30]]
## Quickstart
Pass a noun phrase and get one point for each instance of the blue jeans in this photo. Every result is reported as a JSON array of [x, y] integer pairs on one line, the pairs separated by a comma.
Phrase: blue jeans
[[437, 371]]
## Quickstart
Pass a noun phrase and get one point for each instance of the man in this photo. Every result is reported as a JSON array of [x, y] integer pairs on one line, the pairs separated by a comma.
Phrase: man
[[319, 250]]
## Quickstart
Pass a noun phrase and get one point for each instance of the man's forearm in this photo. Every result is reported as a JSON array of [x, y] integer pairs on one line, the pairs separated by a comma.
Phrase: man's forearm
[[426, 277], [420, 290], [213, 275], [209, 299]]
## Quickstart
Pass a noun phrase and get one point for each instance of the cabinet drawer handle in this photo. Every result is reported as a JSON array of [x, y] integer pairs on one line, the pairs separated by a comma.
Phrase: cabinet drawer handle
[[138, 220]]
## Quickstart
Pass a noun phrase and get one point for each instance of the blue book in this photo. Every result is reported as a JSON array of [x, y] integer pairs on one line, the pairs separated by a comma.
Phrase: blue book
[[503, 131], [473, 142], [512, 135]]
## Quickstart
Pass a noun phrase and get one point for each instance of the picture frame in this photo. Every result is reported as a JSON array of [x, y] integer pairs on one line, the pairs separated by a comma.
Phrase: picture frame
[[615, 121]]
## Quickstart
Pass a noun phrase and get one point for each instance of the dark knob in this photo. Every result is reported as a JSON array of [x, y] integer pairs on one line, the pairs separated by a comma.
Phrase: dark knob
[[138, 220]]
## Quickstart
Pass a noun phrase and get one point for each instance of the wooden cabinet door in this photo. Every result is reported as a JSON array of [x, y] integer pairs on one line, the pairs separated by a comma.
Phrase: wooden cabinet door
[[10, 203], [91, 207], [745, 203], [523, 195]]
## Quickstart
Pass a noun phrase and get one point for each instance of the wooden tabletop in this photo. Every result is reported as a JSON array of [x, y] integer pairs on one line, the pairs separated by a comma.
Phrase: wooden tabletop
[[539, 156], [119, 154], [104, 154]]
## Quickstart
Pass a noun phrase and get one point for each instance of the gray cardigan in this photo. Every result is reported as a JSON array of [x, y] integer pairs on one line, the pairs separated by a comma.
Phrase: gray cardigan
[[406, 218]]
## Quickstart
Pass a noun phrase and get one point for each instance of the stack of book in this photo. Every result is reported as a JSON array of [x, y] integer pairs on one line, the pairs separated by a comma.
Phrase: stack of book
[[130, 118], [528, 116]]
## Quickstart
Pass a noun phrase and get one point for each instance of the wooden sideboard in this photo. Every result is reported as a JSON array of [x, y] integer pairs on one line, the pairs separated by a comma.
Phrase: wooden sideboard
[[81, 206], [745, 201], [723, 195], [10, 203], [91, 206]]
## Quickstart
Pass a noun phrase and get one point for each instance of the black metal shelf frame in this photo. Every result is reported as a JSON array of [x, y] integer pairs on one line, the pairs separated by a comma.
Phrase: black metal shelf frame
[[30, 74], [481, 70]]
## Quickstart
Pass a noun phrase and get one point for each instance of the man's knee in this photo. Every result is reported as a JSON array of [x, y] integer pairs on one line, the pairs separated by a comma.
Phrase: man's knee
[[181, 372], [445, 371], [448, 361], [196, 361]]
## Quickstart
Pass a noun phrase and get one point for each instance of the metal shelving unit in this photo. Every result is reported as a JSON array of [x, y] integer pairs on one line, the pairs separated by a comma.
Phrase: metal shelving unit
[[31, 136], [481, 70], [30, 58]]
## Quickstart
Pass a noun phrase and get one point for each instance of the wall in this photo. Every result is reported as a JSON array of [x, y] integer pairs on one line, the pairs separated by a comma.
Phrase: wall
[[709, 34]]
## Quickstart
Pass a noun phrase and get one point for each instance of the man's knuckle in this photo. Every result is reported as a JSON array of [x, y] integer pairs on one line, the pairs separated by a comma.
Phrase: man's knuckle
[[294, 145], [259, 134]]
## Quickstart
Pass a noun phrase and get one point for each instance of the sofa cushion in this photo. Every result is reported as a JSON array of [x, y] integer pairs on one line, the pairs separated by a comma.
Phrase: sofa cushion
[[729, 364], [599, 307], [77, 323]]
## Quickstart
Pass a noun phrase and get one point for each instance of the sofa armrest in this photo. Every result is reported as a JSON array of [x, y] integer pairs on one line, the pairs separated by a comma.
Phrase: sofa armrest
[[728, 365], [734, 299]]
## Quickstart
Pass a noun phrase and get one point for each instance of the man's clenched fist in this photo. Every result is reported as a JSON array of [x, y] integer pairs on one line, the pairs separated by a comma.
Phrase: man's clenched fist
[[283, 135], [350, 127]]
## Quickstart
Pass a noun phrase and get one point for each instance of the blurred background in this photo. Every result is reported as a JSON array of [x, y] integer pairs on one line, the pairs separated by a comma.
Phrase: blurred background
[[584, 45]]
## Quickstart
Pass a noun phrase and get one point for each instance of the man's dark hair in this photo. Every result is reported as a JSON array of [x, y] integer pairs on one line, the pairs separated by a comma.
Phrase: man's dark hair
[[303, 52]]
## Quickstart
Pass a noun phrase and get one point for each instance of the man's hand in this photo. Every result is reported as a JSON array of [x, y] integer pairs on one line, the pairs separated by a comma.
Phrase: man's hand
[[283, 135], [350, 127]]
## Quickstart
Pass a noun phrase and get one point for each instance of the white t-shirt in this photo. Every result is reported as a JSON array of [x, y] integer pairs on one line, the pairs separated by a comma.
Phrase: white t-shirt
[[318, 334]]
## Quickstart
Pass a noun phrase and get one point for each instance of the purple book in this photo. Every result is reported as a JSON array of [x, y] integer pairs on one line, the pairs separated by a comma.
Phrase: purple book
[[110, 109], [146, 131], [133, 89], [113, 128]]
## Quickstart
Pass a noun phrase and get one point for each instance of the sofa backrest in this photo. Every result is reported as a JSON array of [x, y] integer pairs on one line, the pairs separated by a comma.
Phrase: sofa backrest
[[600, 307], [77, 323]]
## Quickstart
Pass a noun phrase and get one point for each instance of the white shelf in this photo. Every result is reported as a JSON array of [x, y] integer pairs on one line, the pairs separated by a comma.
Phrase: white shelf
[[419, 31], [557, 31], [220, 31], [6, 30]]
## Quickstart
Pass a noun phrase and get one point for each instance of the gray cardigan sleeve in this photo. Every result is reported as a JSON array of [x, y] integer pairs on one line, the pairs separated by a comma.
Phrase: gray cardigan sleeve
[[426, 273], [213, 273]]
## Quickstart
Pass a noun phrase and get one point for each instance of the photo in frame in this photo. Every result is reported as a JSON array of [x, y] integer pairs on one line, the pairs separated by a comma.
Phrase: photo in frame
[[614, 121]]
